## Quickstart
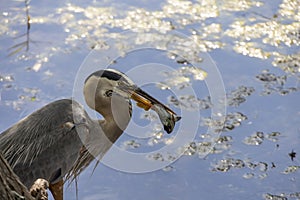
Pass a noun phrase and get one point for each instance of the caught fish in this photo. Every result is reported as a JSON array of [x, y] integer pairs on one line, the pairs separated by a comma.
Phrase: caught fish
[[167, 117]]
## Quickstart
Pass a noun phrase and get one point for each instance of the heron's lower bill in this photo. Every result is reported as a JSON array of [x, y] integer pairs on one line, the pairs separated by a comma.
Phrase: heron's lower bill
[[167, 117]]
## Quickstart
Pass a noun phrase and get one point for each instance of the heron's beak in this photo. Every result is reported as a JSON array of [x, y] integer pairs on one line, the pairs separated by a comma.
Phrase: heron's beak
[[167, 116], [146, 101], [142, 100]]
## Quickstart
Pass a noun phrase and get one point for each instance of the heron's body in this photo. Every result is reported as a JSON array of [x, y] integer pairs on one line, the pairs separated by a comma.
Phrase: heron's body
[[59, 140]]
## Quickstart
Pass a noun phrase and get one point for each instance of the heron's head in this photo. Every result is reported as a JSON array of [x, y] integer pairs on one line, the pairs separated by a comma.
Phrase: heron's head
[[109, 92]]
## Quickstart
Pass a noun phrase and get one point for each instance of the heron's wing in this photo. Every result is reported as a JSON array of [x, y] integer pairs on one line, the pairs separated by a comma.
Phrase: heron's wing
[[48, 126]]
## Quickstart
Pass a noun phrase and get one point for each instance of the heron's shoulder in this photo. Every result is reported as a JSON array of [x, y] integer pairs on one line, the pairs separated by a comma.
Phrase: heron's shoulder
[[52, 114], [63, 102], [60, 106]]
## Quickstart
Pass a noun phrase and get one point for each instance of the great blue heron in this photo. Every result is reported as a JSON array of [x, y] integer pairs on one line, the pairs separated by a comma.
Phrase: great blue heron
[[59, 140]]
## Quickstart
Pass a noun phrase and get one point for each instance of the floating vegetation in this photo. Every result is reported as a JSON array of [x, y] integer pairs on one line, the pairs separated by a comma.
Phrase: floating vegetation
[[225, 165], [262, 176], [251, 165], [90, 25], [168, 168], [248, 175], [143, 20], [274, 84], [283, 196], [255, 139], [203, 148], [190, 149], [159, 138], [238, 96], [258, 137], [6, 78], [291, 169], [295, 195], [258, 169], [6, 81], [163, 157], [190, 102], [131, 144], [25, 95], [227, 123], [182, 77], [262, 166], [273, 31], [156, 156], [274, 197], [288, 63], [249, 49], [239, 6], [233, 120], [273, 136]]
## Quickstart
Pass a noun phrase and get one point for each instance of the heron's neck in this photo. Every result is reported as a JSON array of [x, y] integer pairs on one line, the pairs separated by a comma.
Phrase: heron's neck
[[112, 129]]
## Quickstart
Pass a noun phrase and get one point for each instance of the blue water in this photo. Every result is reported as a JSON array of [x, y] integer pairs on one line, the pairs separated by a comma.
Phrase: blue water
[[24, 89]]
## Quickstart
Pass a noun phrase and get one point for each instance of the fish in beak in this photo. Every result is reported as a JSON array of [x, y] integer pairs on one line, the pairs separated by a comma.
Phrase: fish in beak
[[167, 116]]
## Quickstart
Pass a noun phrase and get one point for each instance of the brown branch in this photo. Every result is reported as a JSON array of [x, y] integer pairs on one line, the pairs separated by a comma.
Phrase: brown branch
[[23, 45], [28, 24], [11, 187]]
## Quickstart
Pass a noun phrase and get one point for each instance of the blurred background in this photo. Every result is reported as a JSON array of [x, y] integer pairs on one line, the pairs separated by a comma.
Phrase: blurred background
[[252, 150]]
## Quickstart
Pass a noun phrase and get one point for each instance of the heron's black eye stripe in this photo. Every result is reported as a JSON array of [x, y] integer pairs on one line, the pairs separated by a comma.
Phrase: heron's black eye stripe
[[108, 93]]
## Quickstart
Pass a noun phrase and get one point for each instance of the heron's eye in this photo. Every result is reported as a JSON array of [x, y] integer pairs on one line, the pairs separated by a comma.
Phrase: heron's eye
[[108, 93]]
